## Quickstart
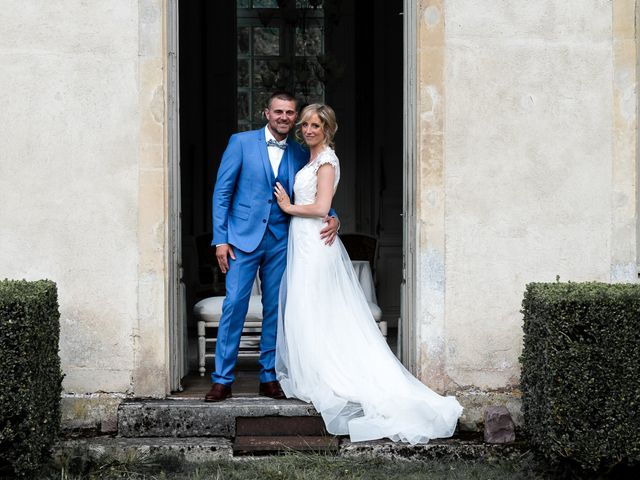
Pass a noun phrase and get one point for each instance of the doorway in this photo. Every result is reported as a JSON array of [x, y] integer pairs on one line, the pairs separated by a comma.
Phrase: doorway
[[346, 53]]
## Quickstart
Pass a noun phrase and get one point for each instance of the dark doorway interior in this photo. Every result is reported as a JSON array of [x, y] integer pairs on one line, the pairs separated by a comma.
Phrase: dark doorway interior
[[231, 55]]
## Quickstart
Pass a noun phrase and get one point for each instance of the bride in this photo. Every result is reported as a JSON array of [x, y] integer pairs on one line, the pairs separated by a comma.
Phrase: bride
[[329, 350]]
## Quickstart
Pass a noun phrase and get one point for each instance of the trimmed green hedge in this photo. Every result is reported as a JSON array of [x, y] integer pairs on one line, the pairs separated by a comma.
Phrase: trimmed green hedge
[[581, 371], [30, 377]]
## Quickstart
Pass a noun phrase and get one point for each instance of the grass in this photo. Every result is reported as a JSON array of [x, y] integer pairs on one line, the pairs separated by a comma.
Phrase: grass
[[299, 466]]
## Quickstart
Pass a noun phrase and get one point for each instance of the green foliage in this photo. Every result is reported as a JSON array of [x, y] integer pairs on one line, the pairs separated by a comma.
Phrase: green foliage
[[31, 381], [581, 372]]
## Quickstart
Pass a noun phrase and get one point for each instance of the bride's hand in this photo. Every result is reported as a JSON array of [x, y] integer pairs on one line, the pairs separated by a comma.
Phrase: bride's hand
[[282, 197]]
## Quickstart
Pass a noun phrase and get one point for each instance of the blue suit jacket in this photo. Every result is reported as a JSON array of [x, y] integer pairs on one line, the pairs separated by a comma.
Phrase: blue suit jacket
[[244, 189]]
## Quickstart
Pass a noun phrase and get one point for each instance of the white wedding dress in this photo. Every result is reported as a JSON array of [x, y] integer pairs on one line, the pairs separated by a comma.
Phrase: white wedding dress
[[330, 351]]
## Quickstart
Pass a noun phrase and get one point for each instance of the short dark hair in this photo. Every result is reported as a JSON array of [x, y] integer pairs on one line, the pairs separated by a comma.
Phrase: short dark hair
[[282, 95]]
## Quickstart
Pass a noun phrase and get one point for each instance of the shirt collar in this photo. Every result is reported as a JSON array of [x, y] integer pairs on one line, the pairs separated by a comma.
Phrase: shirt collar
[[269, 136]]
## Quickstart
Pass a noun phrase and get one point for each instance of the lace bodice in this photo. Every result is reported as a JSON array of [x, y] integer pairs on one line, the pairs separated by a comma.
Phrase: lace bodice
[[305, 186]]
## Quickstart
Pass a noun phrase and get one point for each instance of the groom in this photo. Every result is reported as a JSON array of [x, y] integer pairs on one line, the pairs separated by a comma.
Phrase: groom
[[250, 235]]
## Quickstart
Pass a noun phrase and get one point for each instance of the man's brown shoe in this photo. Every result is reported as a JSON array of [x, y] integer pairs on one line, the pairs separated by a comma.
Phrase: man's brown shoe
[[217, 393], [271, 389]]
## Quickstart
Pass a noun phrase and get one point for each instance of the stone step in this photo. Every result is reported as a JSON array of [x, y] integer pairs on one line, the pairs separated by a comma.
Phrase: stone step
[[195, 418], [460, 447], [280, 426], [206, 449], [193, 449], [243, 445]]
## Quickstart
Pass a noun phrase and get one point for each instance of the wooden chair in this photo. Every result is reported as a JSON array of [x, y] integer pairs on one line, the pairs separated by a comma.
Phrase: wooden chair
[[210, 292], [361, 246], [208, 312]]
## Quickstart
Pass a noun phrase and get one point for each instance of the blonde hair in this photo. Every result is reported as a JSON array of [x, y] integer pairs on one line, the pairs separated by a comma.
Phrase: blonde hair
[[327, 118]]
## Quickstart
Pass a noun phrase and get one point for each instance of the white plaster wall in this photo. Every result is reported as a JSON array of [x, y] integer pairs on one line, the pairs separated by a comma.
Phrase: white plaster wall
[[528, 168], [69, 174]]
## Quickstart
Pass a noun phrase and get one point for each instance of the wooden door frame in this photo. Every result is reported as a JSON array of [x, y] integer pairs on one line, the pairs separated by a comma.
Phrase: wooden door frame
[[407, 324], [175, 300]]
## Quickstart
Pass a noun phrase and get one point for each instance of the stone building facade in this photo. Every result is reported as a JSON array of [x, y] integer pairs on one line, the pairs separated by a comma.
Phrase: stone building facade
[[520, 154]]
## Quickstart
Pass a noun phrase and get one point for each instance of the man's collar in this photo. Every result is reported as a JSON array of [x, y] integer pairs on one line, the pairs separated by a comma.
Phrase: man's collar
[[269, 136]]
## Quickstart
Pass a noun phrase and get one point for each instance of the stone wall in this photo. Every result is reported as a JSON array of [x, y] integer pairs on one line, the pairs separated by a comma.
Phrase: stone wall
[[527, 139], [82, 181]]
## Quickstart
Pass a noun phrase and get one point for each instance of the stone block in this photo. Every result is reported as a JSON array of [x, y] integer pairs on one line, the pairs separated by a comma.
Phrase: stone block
[[192, 450], [92, 412], [449, 449], [284, 443], [476, 401], [498, 425], [109, 425], [195, 418]]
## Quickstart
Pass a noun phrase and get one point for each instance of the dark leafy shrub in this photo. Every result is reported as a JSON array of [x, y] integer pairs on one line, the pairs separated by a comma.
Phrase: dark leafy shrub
[[30, 377], [581, 372]]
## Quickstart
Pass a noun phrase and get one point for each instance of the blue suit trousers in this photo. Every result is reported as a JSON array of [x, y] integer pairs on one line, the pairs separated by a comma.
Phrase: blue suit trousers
[[269, 259]]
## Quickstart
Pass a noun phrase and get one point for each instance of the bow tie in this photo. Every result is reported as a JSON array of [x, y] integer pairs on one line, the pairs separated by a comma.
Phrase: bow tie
[[274, 143]]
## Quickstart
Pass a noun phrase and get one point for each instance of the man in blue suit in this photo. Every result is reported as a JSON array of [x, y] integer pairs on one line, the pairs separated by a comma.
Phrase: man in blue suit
[[250, 234]]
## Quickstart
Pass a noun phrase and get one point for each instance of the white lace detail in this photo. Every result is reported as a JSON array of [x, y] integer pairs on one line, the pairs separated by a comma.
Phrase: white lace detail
[[326, 156], [306, 183]]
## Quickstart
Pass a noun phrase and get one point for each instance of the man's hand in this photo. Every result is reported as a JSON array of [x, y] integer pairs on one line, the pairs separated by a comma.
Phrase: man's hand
[[222, 253], [329, 233]]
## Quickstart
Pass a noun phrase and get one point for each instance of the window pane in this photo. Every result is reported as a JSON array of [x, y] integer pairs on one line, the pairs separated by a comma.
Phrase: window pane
[[310, 90], [308, 3], [244, 3], [309, 99], [309, 42], [305, 70], [308, 79], [314, 87], [259, 104], [243, 106], [266, 41], [243, 73], [243, 40], [265, 4], [267, 75]]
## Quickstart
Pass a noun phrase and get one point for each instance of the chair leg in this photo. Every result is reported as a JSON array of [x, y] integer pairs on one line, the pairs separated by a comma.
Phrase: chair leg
[[201, 348], [382, 325]]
